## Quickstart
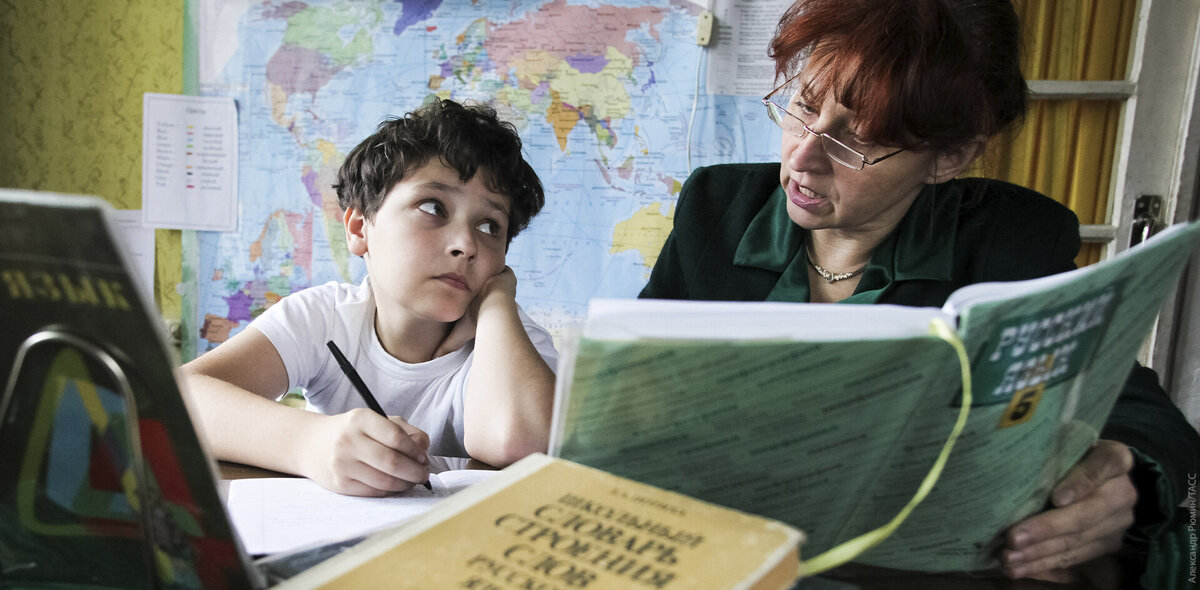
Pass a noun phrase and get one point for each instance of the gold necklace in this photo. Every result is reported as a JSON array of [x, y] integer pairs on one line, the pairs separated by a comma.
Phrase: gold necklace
[[831, 277]]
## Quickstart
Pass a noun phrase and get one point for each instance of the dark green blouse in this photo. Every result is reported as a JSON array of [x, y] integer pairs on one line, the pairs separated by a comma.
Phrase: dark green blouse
[[733, 240]]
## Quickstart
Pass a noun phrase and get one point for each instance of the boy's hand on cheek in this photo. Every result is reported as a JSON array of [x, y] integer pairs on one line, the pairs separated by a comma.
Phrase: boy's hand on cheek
[[504, 281], [501, 284], [363, 454]]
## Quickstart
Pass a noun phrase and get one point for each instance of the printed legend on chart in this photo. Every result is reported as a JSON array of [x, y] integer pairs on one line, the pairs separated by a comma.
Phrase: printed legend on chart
[[189, 162]]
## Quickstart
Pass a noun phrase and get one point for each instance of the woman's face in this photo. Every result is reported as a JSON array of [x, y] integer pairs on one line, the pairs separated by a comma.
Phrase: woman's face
[[823, 194]]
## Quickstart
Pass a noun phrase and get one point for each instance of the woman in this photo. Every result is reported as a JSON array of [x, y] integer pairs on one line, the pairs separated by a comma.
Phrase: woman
[[883, 104]]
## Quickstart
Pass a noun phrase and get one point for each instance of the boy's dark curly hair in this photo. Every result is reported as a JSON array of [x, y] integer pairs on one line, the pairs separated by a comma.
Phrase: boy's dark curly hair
[[466, 137]]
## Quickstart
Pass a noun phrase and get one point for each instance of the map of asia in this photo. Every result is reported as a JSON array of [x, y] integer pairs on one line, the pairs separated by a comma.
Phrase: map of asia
[[602, 93]]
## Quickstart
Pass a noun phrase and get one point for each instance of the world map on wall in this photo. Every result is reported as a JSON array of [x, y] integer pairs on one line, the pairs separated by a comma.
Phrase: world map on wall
[[601, 93]]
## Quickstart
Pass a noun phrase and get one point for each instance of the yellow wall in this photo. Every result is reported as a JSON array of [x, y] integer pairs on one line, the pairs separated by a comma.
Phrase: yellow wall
[[72, 74]]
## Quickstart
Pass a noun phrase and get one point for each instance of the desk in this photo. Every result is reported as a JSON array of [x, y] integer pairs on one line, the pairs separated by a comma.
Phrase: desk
[[231, 470], [1103, 574]]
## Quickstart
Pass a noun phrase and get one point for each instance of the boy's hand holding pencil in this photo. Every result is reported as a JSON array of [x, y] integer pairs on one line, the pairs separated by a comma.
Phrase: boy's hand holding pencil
[[364, 454], [382, 462]]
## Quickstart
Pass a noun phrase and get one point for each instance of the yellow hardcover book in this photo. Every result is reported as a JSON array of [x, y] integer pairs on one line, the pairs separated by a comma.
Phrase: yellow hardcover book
[[552, 524]]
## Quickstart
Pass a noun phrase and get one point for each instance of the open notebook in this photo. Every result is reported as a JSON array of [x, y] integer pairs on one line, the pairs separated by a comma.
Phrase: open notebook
[[275, 515], [103, 481]]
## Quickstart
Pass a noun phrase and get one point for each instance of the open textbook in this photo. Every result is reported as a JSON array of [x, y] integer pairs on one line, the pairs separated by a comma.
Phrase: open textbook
[[830, 417], [274, 514]]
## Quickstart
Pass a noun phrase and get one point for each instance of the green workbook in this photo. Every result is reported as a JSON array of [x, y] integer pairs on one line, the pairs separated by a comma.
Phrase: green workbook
[[833, 417]]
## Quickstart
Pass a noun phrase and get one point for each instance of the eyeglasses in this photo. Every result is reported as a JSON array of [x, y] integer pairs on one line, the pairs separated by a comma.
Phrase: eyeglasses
[[836, 150]]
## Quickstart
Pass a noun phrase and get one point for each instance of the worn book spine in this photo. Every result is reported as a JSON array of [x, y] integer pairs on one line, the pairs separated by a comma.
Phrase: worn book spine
[[551, 524]]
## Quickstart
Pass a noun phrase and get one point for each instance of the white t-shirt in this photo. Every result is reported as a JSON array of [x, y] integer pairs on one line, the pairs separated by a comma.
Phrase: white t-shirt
[[428, 395]]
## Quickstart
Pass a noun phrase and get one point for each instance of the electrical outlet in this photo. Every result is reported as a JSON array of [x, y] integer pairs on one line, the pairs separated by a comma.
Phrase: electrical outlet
[[704, 28]]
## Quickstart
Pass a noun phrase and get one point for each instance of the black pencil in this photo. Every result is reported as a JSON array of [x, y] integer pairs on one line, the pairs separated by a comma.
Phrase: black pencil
[[359, 386], [355, 380]]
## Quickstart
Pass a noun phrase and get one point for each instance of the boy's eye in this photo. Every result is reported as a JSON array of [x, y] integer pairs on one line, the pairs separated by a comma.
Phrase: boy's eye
[[489, 227], [432, 208]]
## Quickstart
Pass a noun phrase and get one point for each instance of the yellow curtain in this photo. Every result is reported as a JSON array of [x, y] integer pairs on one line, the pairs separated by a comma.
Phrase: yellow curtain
[[1066, 148]]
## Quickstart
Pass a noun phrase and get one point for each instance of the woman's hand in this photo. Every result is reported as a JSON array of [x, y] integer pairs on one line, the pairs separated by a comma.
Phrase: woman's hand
[[364, 454], [1093, 506]]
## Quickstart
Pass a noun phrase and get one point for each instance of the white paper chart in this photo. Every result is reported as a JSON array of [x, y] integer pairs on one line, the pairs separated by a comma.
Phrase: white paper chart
[[738, 63], [189, 162]]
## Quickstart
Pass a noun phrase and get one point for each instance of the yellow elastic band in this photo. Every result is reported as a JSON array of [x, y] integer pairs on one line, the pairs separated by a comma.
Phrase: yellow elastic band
[[851, 549]]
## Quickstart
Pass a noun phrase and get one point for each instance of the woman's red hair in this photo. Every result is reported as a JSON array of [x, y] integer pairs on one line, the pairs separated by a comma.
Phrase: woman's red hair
[[919, 74]]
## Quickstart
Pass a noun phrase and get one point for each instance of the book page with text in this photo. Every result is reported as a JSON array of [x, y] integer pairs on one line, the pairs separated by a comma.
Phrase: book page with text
[[779, 427]]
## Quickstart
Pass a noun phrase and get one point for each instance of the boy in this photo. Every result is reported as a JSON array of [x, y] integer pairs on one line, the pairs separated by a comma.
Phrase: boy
[[431, 202]]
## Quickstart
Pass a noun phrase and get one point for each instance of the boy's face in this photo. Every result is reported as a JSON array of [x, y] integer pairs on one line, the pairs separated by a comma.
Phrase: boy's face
[[434, 243]]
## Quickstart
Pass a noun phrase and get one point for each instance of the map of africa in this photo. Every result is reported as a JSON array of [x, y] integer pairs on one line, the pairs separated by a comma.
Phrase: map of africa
[[601, 93]]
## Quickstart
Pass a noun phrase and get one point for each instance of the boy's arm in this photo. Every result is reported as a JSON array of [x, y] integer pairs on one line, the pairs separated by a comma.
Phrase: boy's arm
[[230, 392], [510, 392]]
